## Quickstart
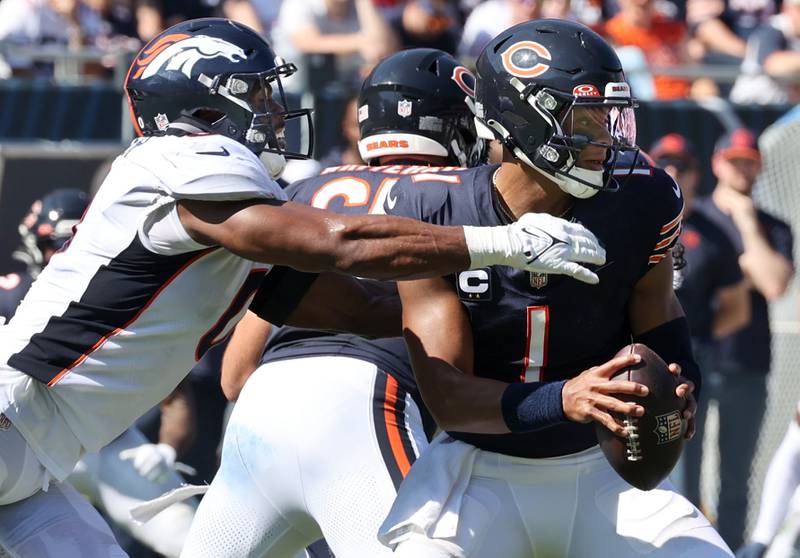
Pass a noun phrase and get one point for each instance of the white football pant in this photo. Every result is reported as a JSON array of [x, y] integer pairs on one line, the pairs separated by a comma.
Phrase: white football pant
[[573, 506], [44, 519], [314, 447]]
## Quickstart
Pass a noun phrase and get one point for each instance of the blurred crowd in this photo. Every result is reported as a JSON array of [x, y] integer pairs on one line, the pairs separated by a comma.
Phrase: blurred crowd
[[745, 50]]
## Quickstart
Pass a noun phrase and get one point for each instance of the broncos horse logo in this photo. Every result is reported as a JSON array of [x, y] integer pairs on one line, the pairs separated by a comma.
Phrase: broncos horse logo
[[181, 52]]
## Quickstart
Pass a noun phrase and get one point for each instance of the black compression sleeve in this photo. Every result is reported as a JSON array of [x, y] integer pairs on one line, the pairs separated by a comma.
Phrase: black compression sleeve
[[280, 293]]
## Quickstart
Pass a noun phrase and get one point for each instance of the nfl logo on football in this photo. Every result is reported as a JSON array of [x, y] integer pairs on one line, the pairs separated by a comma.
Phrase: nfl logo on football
[[668, 427], [538, 280], [404, 108]]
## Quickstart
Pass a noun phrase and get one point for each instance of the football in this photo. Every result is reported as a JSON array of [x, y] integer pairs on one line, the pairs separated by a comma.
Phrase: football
[[656, 439]]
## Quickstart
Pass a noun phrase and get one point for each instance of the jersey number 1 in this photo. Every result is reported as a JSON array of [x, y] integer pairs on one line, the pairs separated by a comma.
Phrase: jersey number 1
[[536, 343]]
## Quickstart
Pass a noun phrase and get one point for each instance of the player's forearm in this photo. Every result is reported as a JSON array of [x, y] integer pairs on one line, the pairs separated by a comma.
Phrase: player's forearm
[[460, 402], [308, 239]]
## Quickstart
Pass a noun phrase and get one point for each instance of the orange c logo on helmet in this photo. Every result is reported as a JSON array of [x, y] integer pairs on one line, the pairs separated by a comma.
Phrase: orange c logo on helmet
[[464, 79], [149, 53], [524, 59]]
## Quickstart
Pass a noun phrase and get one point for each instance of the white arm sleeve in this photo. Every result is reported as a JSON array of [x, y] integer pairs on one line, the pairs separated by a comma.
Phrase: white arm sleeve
[[783, 477]]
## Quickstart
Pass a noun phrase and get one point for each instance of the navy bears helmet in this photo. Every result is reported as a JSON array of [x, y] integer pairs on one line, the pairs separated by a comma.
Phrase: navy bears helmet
[[531, 77], [221, 70], [418, 102], [48, 225]]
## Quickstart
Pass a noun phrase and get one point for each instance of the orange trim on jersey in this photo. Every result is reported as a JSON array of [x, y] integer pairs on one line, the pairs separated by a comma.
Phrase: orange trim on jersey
[[672, 223], [392, 428], [107, 336], [656, 258], [669, 239]]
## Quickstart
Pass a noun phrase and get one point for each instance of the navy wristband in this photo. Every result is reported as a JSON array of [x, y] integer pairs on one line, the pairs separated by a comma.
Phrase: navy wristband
[[533, 405]]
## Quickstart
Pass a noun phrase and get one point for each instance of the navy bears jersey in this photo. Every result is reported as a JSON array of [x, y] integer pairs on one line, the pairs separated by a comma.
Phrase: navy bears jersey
[[534, 327], [350, 189]]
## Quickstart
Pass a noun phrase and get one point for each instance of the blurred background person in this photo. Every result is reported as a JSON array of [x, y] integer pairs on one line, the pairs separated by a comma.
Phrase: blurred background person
[[737, 379], [352, 30], [771, 65], [31, 23], [660, 41], [710, 285], [721, 28]]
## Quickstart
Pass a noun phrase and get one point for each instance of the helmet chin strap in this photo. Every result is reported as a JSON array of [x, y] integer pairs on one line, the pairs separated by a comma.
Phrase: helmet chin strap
[[274, 163], [564, 181]]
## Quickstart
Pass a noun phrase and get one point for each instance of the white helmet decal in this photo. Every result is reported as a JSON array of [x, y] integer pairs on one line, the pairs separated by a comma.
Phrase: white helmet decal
[[183, 54]]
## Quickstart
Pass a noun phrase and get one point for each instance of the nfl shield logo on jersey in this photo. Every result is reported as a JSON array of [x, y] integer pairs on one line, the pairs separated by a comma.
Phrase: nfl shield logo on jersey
[[404, 108], [668, 427], [538, 280]]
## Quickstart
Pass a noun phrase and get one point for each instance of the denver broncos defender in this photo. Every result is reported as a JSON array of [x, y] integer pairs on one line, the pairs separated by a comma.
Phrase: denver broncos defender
[[515, 366], [338, 415], [162, 265]]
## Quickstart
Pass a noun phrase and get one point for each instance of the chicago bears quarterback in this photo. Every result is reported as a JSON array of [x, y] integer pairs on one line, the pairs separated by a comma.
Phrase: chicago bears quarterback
[[162, 265], [515, 366], [338, 415]]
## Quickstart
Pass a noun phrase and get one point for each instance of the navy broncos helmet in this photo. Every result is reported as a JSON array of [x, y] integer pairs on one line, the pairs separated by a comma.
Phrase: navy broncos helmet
[[531, 77], [48, 225], [222, 71], [419, 102]]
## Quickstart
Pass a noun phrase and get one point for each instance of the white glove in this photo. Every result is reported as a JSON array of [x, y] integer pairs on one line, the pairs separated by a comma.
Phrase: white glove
[[538, 242], [154, 462]]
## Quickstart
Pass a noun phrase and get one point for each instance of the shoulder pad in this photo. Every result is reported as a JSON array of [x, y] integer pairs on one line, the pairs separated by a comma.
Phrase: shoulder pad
[[207, 167]]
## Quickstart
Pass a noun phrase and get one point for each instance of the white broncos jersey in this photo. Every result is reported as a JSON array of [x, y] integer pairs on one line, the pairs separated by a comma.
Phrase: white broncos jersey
[[120, 316]]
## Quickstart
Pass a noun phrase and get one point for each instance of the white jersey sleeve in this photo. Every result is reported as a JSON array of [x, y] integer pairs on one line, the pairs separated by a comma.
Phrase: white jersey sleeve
[[205, 167]]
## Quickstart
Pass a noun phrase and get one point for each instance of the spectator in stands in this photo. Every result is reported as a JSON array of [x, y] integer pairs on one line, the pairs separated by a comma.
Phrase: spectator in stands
[[771, 67], [710, 286], [30, 23], [153, 16], [354, 30], [662, 42], [738, 379], [490, 18], [721, 27], [429, 24]]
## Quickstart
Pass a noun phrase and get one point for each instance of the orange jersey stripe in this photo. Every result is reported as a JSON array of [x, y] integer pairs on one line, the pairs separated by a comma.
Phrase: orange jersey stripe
[[112, 333], [392, 428]]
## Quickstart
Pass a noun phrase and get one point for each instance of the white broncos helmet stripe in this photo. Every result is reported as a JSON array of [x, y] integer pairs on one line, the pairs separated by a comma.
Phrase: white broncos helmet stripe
[[184, 54]]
